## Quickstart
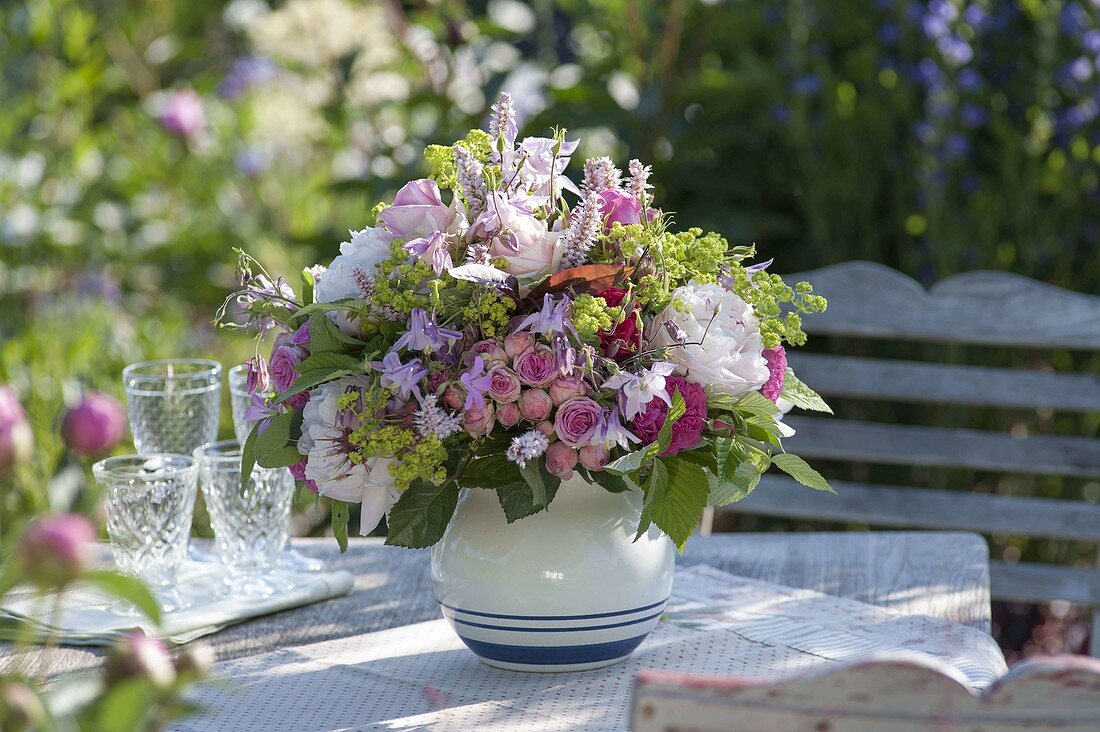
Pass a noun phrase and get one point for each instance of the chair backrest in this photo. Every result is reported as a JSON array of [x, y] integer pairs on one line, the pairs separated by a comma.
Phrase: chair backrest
[[888, 693], [871, 301]]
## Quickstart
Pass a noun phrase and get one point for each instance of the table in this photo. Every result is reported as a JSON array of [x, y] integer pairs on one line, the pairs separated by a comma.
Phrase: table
[[941, 574]]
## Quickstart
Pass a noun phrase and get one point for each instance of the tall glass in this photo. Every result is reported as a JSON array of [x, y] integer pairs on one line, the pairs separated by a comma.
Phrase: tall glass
[[149, 501], [240, 400], [251, 518], [173, 404]]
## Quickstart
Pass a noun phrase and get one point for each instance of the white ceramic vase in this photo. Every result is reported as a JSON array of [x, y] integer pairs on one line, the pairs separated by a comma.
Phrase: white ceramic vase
[[567, 589]]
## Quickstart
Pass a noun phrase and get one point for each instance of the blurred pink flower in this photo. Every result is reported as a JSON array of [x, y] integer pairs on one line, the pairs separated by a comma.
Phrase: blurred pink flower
[[183, 115], [16, 438], [95, 425], [55, 549]]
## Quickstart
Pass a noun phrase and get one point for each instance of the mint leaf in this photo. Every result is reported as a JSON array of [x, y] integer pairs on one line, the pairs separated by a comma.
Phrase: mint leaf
[[533, 476], [630, 462], [491, 471], [757, 405], [248, 455], [802, 396], [677, 509], [744, 480], [518, 500], [677, 410], [421, 514], [276, 445], [340, 516], [609, 482], [801, 471], [655, 490]]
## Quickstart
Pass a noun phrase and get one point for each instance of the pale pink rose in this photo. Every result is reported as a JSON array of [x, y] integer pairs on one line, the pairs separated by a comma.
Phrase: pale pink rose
[[546, 428], [504, 386], [455, 396], [517, 343], [515, 234], [560, 460], [509, 414], [593, 457], [565, 388], [535, 405], [418, 211], [436, 379], [536, 366], [489, 350], [577, 420], [479, 422]]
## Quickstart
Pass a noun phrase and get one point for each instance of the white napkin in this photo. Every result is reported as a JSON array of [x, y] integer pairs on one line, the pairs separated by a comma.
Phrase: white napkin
[[89, 617]]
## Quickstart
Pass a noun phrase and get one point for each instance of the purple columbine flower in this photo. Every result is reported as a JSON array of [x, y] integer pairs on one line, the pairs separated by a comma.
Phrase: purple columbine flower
[[403, 378], [260, 411], [433, 250], [477, 382], [424, 334], [612, 432], [257, 379], [565, 356], [553, 318], [638, 390], [758, 267]]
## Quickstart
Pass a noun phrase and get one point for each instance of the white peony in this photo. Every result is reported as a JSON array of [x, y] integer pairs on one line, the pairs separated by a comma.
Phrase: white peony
[[324, 442], [724, 349], [350, 272]]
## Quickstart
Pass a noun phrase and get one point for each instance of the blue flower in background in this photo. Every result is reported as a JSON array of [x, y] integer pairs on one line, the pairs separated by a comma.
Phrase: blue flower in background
[[806, 85], [888, 34], [780, 114], [1081, 69], [244, 74], [956, 50], [1091, 41], [970, 80]]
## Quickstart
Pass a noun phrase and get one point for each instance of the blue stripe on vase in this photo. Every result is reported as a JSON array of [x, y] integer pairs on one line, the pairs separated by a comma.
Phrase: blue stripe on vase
[[557, 630], [592, 616], [553, 655]]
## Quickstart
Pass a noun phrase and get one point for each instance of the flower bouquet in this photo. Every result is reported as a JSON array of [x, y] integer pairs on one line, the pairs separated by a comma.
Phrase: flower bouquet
[[502, 327]]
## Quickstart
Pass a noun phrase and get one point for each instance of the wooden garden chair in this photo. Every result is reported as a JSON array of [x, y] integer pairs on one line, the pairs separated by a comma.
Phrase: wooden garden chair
[[873, 302]]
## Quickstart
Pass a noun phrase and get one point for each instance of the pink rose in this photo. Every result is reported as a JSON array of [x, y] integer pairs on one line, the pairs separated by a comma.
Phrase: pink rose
[[56, 548], [565, 388], [777, 372], [504, 385], [517, 343], [300, 337], [16, 438], [508, 414], [479, 422], [95, 425], [489, 350], [535, 405], [436, 379], [546, 428], [619, 207], [688, 430], [577, 421], [536, 366], [515, 234], [417, 211], [593, 457], [283, 366], [560, 460], [455, 396]]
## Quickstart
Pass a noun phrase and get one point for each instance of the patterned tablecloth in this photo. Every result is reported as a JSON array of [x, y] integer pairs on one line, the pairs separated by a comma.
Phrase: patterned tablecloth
[[420, 676]]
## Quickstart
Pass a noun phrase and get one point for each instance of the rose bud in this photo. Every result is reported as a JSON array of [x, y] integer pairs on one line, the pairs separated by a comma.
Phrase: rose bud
[[508, 414], [436, 379], [55, 549], [593, 457], [20, 707], [517, 343], [565, 388], [95, 425], [455, 396], [504, 385], [16, 438], [479, 422], [136, 655], [560, 460], [195, 661], [490, 351], [535, 405], [546, 428]]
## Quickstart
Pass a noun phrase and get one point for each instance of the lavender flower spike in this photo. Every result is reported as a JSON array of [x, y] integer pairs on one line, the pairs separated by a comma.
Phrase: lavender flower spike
[[477, 382], [580, 235], [503, 127], [528, 446], [432, 420], [403, 378], [600, 174], [639, 185], [470, 181], [424, 334]]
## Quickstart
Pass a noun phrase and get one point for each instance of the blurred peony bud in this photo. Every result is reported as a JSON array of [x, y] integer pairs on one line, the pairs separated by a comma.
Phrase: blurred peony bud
[[95, 425], [20, 707], [55, 548], [183, 115], [16, 438], [195, 661], [136, 655]]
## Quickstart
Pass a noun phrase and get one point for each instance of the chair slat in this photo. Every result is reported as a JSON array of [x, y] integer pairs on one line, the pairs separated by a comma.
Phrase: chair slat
[[1043, 582], [910, 381], [875, 442], [924, 509], [873, 301]]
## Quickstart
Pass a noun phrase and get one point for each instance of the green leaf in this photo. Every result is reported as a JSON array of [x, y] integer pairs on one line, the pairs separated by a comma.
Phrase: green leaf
[[677, 410], [630, 462], [276, 445], [340, 516], [518, 500], [248, 455], [309, 379], [801, 471], [325, 337], [655, 489], [704, 457], [491, 471], [746, 476], [728, 454], [533, 476], [756, 404], [421, 514], [677, 509], [764, 429], [130, 589], [609, 482], [329, 362], [127, 706], [802, 396]]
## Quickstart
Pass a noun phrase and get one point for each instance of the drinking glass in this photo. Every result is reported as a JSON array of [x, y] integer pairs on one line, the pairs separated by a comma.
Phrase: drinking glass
[[251, 521], [239, 400], [149, 502], [173, 404]]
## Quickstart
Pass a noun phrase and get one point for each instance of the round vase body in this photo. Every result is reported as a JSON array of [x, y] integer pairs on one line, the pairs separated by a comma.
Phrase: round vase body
[[566, 589]]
